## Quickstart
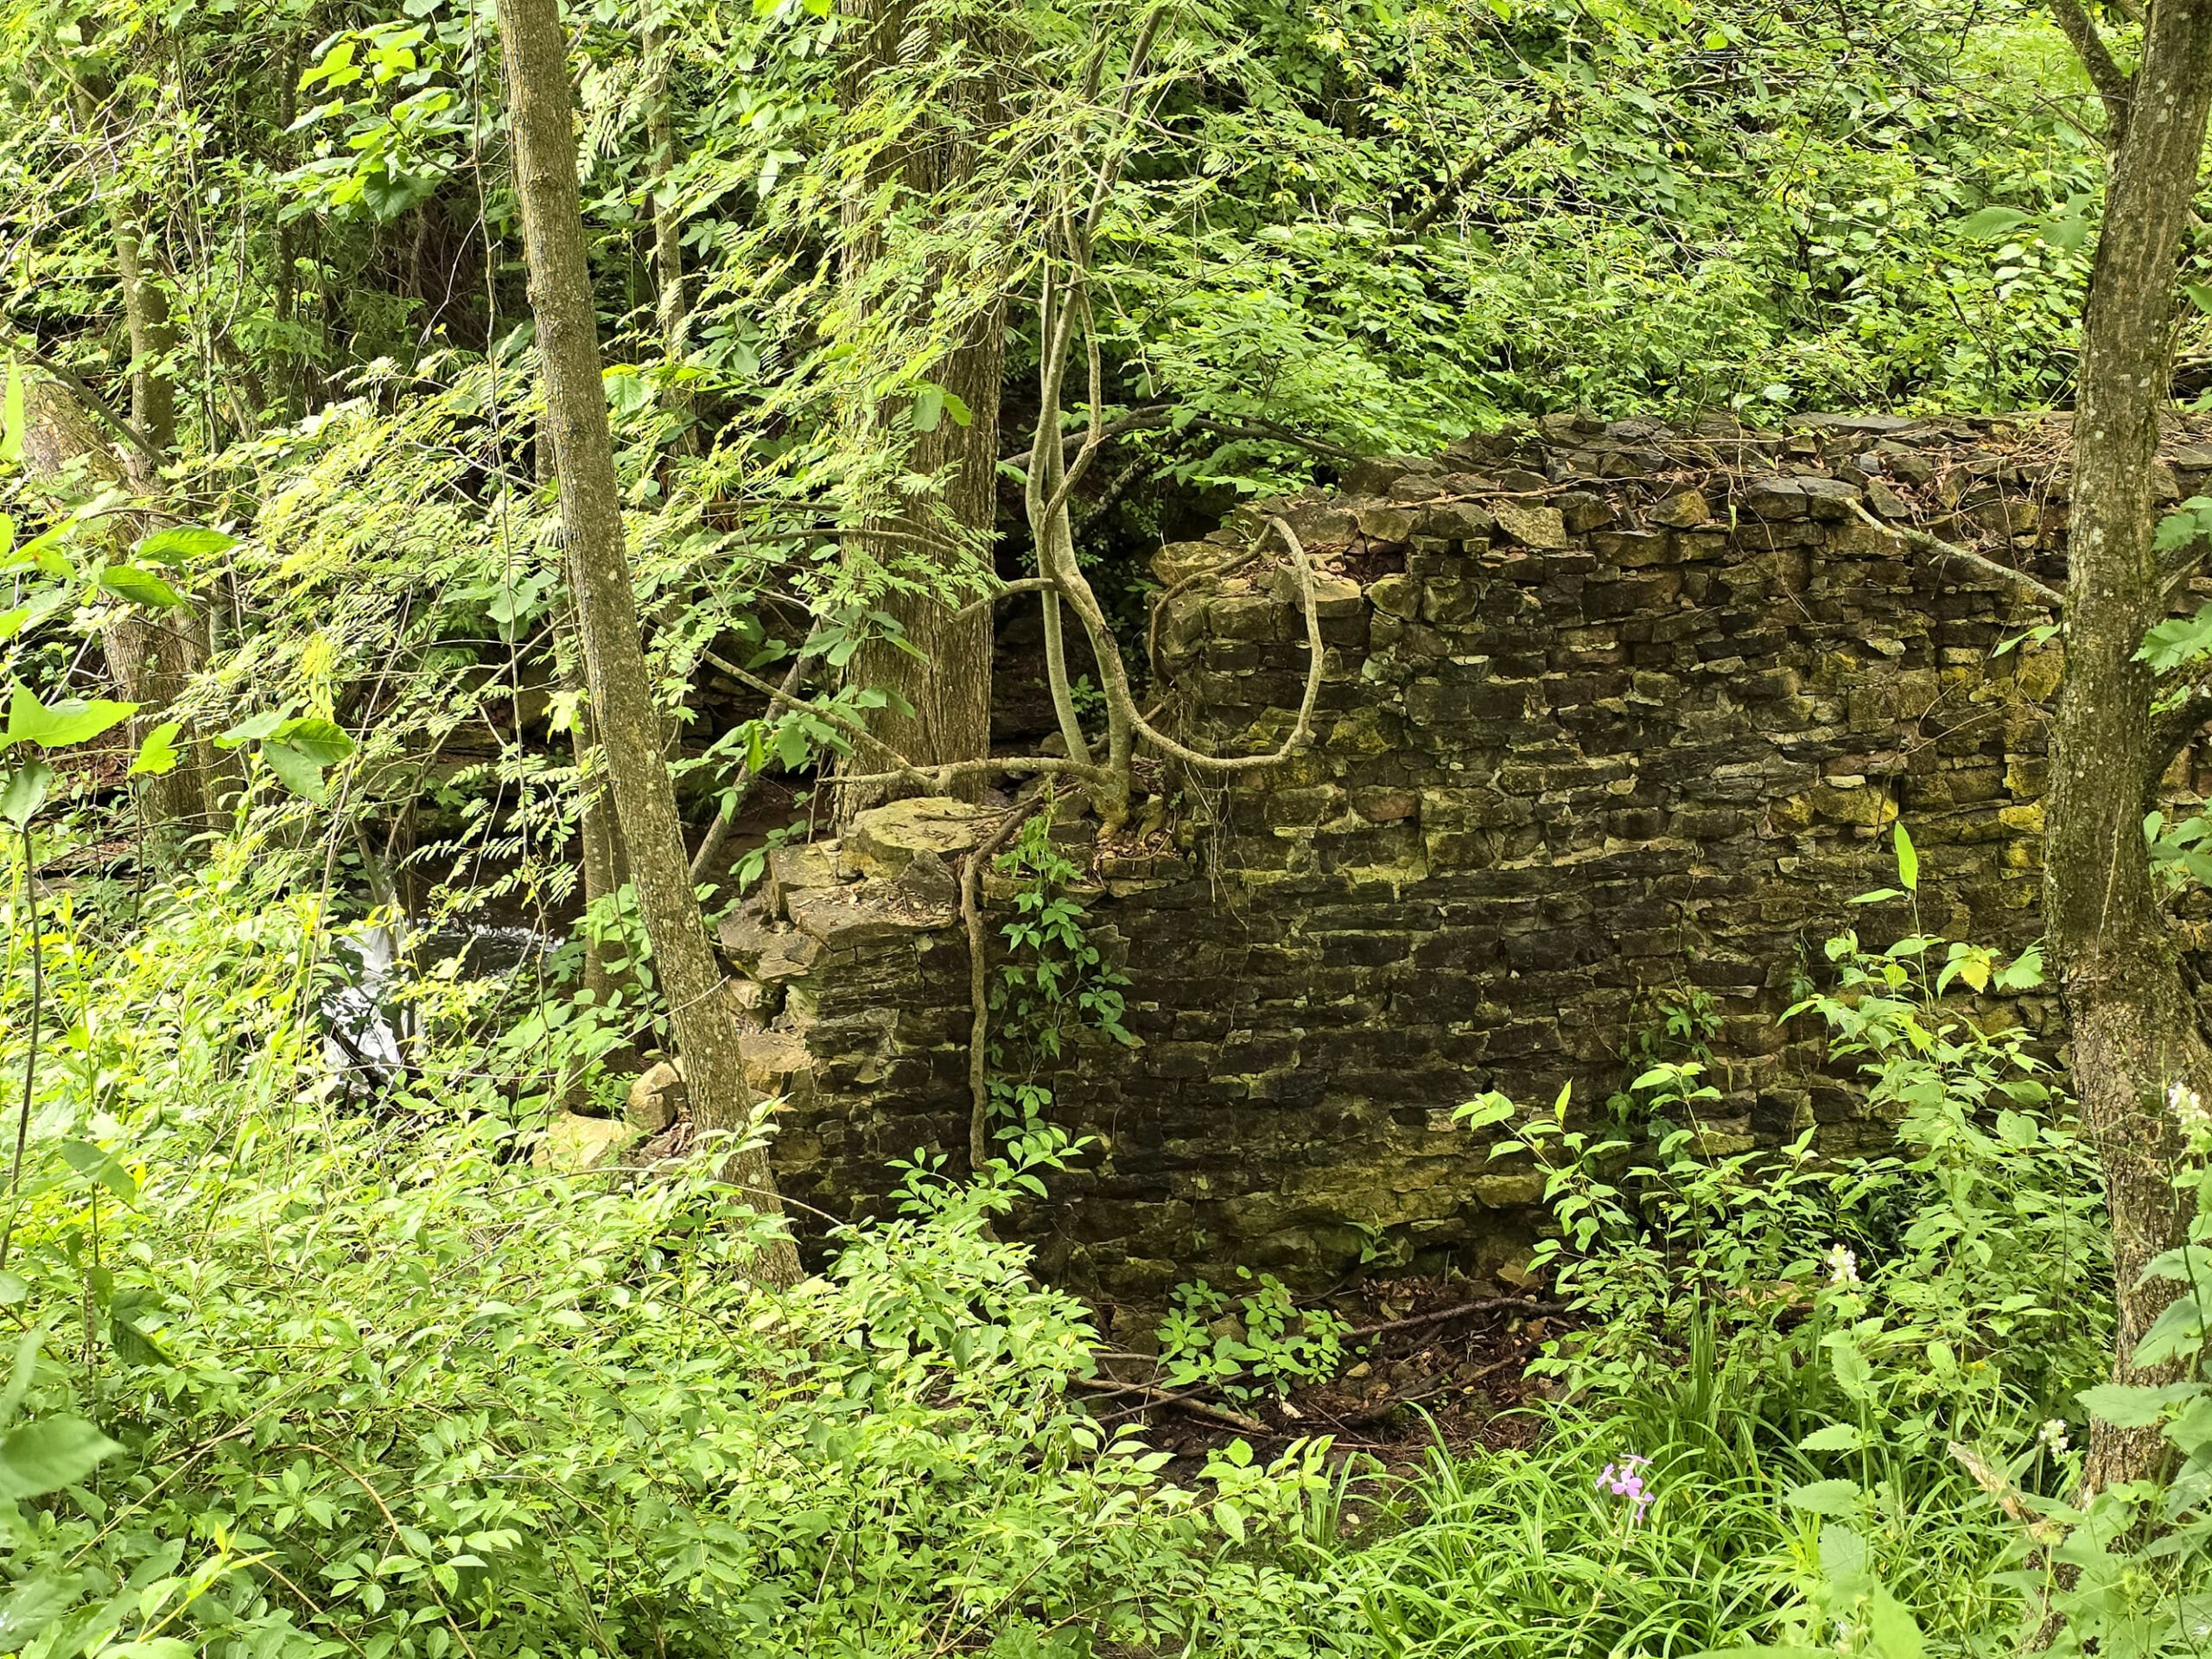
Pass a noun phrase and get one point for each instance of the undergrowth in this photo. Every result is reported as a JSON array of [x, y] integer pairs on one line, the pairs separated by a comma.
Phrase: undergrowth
[[300, 1373]]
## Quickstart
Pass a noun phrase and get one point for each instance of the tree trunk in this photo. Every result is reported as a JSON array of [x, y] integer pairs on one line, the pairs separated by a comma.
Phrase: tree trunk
[[948, 684], [2133, 1022], [624, 719], [672, 308], [152, 655]]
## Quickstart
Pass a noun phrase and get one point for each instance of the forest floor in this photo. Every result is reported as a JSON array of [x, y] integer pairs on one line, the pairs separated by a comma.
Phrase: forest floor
[[1429, 1364]]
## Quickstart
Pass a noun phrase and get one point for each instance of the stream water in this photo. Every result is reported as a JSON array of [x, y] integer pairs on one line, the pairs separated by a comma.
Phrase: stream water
[[369, 1020]]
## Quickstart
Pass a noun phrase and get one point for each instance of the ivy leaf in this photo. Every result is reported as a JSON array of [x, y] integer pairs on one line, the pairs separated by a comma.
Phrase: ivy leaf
[[49, 1454]]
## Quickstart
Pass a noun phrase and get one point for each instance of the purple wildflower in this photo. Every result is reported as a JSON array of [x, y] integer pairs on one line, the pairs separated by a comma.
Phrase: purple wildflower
[[1625, 1480]]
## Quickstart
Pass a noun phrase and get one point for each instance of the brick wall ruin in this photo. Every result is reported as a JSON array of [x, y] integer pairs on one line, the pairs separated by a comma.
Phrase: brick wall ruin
[[1615, 718]]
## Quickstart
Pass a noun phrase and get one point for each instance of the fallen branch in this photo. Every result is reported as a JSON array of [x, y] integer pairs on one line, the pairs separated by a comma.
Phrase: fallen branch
[[1438, 1315], [2042, 592], [1187, 1400]]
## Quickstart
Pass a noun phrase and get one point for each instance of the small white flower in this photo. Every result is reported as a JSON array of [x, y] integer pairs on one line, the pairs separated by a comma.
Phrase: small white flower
[[2053, 1436], [1843, 1265], [2185, 1103]]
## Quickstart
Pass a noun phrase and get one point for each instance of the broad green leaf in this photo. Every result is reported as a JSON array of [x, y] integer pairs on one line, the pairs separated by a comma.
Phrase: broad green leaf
[[295, 769], [2177, 1333], [7, 536], [51, 1453], [102, 1165], [1907, 859], [25, 791], [1846, 1562], [158, 753], [180, 543], [33, 1605], [2126, 1406], [1830, 1497], [139, 587], [626, 391], [11, 418], [13, 1288], [1853, 1373], [252, 729], [42, 603], [133, 1345], [929, 408], [1836, 1437], [323, 741], [59, 725], [1894, 1629], [1992, 222]]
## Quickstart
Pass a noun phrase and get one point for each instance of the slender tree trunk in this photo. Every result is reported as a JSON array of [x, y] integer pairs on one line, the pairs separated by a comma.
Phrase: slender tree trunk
[[151, 658], [948, 685], [152, 655], [673, 307], [2133, 1022], [624, 721]]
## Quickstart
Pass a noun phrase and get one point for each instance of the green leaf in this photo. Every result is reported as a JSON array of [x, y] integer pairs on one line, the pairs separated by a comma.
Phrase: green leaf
[[11, 418], [51, 1453], [2126, 1406], [7, 536], [1894, 1629], [25, 791], [158, 753], [36, 1604], [13, 1288], [175, 545], [1992, 222], [929, 408], [1830, 1497], [294, 769], [1881, 895], [323, 741], [1845, 1561], [72, 721], [1908, 859], [1836, 1437], [101, 1166], [133, 1345], [1853, 1373], [140, 587], [252, 729]]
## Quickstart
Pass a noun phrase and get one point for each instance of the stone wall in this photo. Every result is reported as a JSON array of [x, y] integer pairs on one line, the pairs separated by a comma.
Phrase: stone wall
[[1616, 719]]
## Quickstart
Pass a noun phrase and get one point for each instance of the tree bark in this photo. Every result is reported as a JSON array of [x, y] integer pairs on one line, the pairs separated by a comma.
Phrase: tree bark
[[672, 308], [2134, 1027], [152, 655], [948, 685], [624, 721]]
